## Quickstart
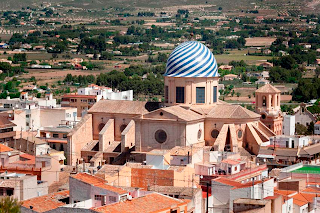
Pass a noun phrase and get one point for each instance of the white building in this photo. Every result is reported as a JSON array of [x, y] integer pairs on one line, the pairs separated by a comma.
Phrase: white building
[[22, 186], [289, 141], [106, 93], [225, 191], [317, 128], [28, 103], [289, 125]]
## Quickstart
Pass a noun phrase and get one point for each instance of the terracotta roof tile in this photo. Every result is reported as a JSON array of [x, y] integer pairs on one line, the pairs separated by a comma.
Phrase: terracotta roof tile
[[47, 202], [4, 148], [227, 182], [98, 182], [5, 123], [285, 192], [311, 190], [117, 106], [302, 199], [268, 88], [224, 111], [149, 203], [231, 162]]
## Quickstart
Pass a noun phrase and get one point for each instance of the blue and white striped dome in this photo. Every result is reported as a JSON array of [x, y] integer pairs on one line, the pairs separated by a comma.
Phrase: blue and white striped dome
[[191, 59]]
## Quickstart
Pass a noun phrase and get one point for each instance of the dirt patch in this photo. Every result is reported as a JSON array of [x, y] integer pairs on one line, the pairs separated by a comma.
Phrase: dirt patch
[[259, 41]]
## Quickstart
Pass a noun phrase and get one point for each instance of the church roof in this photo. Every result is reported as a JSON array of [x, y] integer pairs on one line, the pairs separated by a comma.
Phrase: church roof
[[174, 113], [119, 107], [225, 111], [191, 59], [183, 113], [268, 88]]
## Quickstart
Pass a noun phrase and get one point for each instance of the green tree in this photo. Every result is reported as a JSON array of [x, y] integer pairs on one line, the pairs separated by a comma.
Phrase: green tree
[[238, 94], [9, 205], [301, 129]]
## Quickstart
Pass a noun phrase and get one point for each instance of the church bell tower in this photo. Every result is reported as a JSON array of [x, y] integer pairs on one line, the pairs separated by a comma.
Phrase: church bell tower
[[268, 106]]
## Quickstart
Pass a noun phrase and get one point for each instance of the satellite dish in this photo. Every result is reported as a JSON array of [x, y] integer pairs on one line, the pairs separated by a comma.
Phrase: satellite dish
[[9, 154]]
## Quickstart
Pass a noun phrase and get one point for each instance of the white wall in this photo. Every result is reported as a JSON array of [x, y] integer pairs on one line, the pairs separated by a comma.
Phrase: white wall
[[288, 125]]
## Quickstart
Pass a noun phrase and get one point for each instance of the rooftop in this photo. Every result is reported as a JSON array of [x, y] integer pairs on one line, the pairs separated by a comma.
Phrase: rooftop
[[308, 169], [268, 88], [4, 148], [78, 96], [47, 202], [148, 204], [250, 201], [5, 123], [119, 107], [226, 111], [98, 182]]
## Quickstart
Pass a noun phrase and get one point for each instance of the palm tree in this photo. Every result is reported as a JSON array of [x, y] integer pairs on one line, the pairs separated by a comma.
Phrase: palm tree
[[9, 204]]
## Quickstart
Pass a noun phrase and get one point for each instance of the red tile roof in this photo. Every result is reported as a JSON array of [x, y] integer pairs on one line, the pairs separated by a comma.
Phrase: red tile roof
[[231, 162], [98, 182], [26, 159], [4, 148], [302, 199], [285, 192], [78, 96], [311, 190], [5, 123], [227, 182], [318, 122], [150, 203], [47, 202]]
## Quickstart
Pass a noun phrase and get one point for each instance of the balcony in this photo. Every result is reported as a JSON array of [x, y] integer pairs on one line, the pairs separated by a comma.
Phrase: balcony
[[7, 134]]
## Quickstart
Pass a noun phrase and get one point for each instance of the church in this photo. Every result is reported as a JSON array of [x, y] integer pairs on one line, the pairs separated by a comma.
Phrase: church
[[192, 114]]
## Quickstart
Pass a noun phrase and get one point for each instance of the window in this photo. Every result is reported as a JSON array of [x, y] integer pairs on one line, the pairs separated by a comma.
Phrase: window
[[98, 197], [64, 136], [239, 133], [199, 134], [200, 95], [160, 136], [166, 94], [264, 101], [55, 135], [215, 93], [112, 199], [9, 192], [214, 133], [179, 94], [263, 116]]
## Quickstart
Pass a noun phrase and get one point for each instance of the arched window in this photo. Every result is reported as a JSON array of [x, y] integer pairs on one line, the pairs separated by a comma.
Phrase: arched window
[[239, 133], [272, 101], [278, 103], [214, 133], [122, 127], [264, 101], [160, 136], [199, 134], [100, 127]]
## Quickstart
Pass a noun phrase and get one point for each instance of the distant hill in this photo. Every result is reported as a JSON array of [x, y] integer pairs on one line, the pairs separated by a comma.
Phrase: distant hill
[[18, 4], [94, 4]]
